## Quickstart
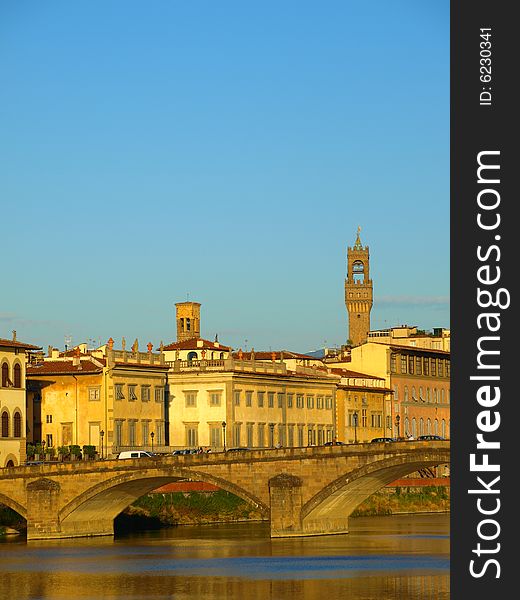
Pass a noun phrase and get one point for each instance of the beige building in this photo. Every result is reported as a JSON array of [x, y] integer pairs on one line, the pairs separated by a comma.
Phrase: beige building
[[13, 358], [248, 403], [112, 402]]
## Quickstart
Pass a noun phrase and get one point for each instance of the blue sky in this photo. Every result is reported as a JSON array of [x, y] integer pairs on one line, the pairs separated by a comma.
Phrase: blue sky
[[226, 152]]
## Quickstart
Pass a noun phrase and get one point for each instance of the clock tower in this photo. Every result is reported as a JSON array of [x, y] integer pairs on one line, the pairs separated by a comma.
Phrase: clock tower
[[358, 292]]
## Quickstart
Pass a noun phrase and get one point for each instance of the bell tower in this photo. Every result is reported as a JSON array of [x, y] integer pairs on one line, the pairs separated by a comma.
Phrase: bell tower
[[188, 320], [358, 292]]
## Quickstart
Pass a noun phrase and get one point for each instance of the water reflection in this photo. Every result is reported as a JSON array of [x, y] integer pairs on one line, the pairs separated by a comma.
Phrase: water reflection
[[404, 557]]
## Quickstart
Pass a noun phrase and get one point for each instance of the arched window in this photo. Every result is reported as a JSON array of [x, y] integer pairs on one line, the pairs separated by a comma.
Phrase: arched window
[[5, 374], [406, 393], [5, 424], [414, 395], [427, 394], [443, 428], [414, 427], [442, 396], [17, 372], [192, 356], [421, 426], [429, 427], [407, 426], [17, 425], [435, 395]]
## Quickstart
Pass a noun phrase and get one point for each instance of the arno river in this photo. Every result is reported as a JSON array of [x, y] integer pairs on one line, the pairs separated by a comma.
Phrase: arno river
[[405, 557]]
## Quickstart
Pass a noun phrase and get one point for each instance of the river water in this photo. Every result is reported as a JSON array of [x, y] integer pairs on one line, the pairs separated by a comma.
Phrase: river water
[[403, 557]]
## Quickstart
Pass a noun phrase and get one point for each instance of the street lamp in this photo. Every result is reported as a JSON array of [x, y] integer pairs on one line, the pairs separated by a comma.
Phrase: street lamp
[[355, 418], [224, 433], [152, 436], [397, 419], [101, 435]]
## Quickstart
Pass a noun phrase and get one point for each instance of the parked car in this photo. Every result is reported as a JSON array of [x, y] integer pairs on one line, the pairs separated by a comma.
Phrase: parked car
[[429, 438], [135, 454], [237, 449], [383, 439], [185, 451], [336, 443]]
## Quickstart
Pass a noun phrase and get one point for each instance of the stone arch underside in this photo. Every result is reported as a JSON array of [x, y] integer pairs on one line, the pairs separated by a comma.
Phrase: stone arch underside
[[103, 502], [342, 496], [13, 504]]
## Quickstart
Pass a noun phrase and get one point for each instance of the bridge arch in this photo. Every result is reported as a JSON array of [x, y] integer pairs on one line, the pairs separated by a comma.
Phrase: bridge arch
[[110, 497], [16, 506], [343, 495]]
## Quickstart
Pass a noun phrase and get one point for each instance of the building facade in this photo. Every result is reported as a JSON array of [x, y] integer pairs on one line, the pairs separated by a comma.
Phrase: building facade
[[113, 402], [13, 417]]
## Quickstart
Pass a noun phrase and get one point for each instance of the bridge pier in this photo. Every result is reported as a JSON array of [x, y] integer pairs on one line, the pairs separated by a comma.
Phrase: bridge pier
[[285, 492], [43, 520]]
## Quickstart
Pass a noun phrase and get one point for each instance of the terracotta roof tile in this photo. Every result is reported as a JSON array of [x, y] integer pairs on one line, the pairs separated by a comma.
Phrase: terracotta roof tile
[[191, 344], [16, 344], [63, 367]]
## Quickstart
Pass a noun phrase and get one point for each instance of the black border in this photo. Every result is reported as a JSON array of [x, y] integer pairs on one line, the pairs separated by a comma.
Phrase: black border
[[476, 128]]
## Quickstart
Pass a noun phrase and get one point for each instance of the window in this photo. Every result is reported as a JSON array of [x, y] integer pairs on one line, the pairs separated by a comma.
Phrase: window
[[403, 364], [426, 366], [300, 435], [48, 418], [290, 400], [410, 365], [17, 376], [280, 399], [237, 434], [447, 363], [260, 396], [145, 393], [319, 402], [5, 424], [131, 392], [159, 394], [393, 363], [311, 436], [281, 434], [310, 401], [290, 437], [145, 431], [363, 417], [261, 435], [299, 403], [405, 393], [271, 435], [328, 402], [249, 398], [192, 356], [434, 367], [236, 397], [190, 399], [214, 398], [159, 432], [94, 393], [5, 374], [321, 439], [418, 365], [440, 369], [131, 433], [50, 443], [215, 436], [119, 391], [118, 433], [192, 435], [17, 425], [376, 419], [249, 429], [270, 399]]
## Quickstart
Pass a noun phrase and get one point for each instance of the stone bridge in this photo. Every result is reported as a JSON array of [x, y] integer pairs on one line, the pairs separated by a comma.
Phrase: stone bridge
[[302, 491]]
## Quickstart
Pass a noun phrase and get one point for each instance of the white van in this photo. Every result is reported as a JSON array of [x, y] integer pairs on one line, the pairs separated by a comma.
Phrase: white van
[[135, 454]]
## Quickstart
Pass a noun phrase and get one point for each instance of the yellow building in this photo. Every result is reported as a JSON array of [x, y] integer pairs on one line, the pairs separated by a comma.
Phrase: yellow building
[[404, 335], [419, 379], [362, 404], [13, 357], [248, 403], [112, 402]]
